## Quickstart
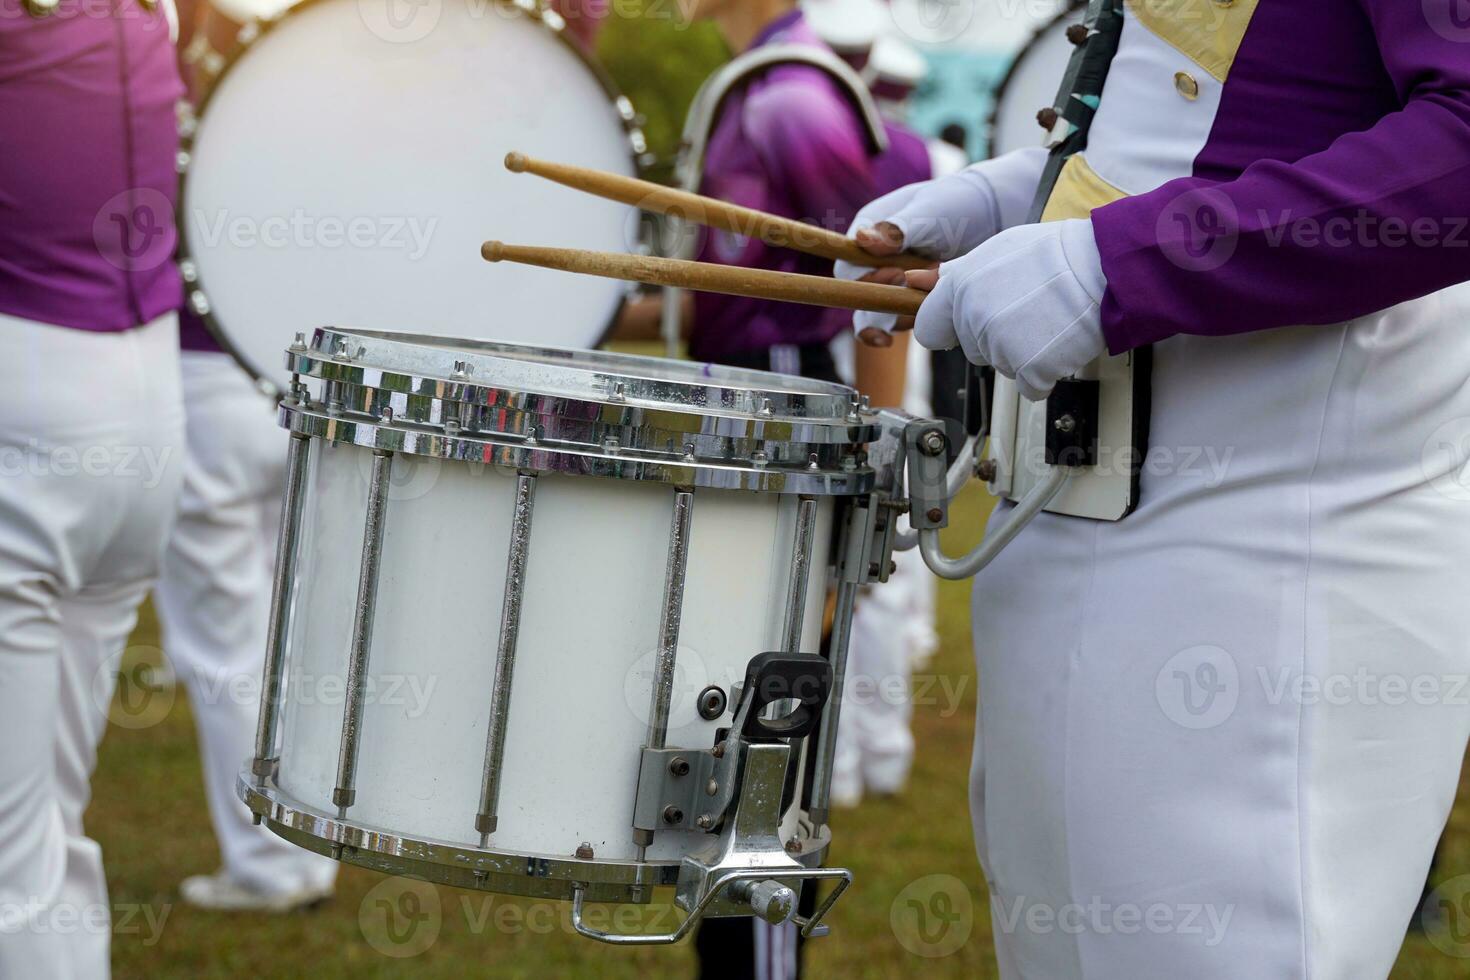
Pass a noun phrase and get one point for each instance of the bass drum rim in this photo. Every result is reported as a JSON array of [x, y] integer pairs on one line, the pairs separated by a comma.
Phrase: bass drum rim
[[1070, 10], [196, 291]]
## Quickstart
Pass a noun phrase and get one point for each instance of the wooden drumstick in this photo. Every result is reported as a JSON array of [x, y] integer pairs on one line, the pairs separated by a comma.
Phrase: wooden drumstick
[[769, 228], [758, 283]]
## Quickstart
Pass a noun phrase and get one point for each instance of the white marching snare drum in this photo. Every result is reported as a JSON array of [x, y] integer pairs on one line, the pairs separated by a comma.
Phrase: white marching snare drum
[[516, 591], [346, 166], [1031, 84]]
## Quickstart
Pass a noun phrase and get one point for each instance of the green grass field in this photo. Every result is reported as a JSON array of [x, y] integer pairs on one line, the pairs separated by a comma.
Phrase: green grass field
[[149, 814]]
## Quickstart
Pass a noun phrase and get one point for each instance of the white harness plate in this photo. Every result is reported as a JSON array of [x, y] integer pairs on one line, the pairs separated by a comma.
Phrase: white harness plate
[[1109, 490]]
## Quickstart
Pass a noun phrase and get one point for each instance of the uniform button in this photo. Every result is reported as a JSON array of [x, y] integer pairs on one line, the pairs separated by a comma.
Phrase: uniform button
[[1186, 85], [1077, 34], [1047, 118]]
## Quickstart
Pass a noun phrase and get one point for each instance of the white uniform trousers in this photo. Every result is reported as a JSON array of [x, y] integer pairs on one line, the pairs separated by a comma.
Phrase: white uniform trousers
[[91, 451], [213, 601], [1220, 738]]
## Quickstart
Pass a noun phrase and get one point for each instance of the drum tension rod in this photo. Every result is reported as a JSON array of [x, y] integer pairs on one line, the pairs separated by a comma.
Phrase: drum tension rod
[[517, 553], [345, 792], [670, 618], [279, 628]]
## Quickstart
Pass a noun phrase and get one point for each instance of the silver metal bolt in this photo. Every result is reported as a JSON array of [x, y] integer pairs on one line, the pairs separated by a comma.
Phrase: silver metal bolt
[[931, 443], [794, 846], [679, 766], [711, 703], [711, 788], [768, 899], [673, 815], [1065, 424], [705, 821]]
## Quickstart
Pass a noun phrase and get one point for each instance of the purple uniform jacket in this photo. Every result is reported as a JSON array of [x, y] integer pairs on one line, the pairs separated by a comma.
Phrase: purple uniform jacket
[[790, 143], [87, 178], [906, 162], [1353, 114]]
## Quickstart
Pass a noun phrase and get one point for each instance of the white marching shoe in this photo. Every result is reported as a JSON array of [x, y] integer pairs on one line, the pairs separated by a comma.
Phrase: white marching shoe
[[221, 893]]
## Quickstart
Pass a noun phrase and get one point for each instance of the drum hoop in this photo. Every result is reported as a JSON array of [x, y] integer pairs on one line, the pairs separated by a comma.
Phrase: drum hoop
[[531, 456], [531, 875], [196, 294], [1071, 10], [765, 397], [558, 419]]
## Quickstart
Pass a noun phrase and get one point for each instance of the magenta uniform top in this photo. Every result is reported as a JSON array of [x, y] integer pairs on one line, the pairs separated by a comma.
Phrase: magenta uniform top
[[1353, 114], [790, 143], [87, 178]]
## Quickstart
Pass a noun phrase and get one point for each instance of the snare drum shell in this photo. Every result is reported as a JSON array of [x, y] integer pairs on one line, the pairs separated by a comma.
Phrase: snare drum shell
[[589, 624]]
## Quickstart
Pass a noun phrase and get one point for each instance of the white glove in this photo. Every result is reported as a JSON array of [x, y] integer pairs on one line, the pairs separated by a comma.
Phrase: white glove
[[1026, 302], [948, 217]]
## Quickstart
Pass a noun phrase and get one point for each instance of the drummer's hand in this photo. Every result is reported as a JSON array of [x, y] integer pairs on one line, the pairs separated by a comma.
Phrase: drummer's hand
[[877, 329], [944, 218], [1026, 302]]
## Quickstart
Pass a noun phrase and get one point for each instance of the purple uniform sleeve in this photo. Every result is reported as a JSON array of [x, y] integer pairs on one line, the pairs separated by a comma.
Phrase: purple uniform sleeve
[[804, 136], [1365, 223]]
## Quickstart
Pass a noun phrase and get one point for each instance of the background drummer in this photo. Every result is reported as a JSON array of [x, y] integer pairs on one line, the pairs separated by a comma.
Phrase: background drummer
[[91, 434], [213, 593]]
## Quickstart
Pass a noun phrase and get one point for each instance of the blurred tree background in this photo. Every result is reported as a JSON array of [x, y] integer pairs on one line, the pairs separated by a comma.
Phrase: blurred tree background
[[659, 61]]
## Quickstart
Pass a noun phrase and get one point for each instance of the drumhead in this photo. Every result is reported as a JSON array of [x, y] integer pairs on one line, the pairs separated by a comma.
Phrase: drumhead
[[347, 166], [1031, 85]]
